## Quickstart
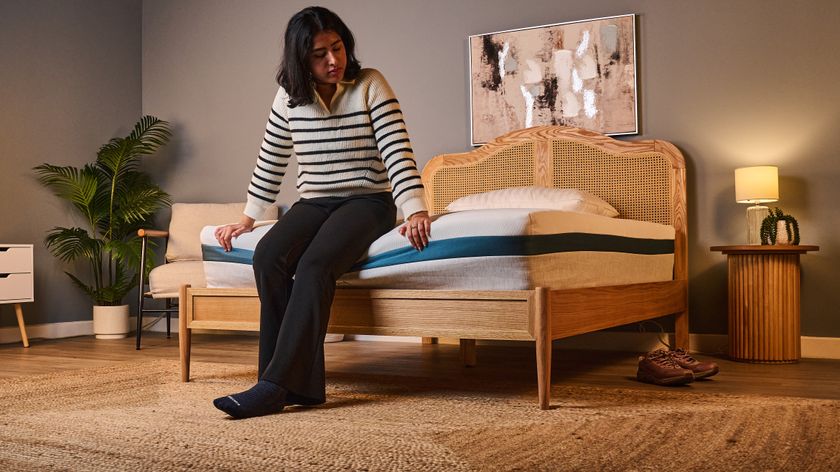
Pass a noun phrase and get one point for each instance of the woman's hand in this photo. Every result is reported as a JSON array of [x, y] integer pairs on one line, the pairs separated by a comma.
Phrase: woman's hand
[[225, 234], [418, 229]]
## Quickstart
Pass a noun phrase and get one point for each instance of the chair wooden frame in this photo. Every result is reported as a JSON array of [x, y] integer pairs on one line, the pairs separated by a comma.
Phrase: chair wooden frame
[[555, 157]]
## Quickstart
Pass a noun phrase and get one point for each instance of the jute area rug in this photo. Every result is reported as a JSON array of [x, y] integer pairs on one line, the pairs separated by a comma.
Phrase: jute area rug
[[139, 416]]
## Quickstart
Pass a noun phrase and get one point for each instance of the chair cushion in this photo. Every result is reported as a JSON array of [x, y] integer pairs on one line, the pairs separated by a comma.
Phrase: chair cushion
[[187, 220], [165, 280]]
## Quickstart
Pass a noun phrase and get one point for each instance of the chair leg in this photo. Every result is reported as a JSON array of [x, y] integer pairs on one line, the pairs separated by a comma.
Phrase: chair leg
[[140, 290], [139, 317], [183, 334]]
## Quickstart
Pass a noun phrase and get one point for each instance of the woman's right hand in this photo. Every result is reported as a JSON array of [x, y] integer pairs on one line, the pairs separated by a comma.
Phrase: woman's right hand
[[225, 234]]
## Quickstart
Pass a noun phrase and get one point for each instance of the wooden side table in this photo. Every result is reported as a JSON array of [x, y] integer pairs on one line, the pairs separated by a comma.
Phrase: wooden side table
[[764, 302]]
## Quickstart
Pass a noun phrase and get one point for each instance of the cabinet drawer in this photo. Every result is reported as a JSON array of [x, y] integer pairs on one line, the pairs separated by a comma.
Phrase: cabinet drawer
[[15, 259], [15, 287]]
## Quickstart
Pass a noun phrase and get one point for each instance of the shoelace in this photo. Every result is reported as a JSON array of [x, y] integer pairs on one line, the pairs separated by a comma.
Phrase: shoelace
[[682, 355], [662, 358]]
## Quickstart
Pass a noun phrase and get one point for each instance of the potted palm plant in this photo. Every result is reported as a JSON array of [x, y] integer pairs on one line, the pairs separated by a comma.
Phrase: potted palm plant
[[115, 199]]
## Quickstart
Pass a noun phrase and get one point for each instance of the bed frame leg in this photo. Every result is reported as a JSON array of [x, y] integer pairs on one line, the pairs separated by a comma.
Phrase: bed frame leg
[[184, 334], [681, 330], [468, 352], [542, 333]]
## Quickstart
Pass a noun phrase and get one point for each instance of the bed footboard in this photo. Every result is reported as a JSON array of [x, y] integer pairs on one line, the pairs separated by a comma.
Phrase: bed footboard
[[469, 315]]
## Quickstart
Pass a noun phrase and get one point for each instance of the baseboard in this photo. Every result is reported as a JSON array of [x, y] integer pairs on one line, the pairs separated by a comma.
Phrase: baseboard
[[158, 325], [820, 348], [813, 347], [67, 329]]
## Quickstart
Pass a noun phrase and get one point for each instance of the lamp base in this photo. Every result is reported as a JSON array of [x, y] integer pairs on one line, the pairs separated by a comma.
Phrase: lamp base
[[755, 216]]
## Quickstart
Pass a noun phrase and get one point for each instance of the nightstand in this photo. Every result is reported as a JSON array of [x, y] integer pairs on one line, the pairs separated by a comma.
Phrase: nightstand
[[764, 302], [16, 280]]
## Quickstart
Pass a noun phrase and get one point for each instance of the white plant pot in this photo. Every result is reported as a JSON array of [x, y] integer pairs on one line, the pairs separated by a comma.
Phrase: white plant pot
[[782, 237], [110, 322]]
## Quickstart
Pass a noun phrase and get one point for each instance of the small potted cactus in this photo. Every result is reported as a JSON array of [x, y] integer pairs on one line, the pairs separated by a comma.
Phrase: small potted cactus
[[778, 228]]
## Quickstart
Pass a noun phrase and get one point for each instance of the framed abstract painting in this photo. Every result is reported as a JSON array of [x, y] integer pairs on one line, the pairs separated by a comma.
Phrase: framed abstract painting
[[580, 73]]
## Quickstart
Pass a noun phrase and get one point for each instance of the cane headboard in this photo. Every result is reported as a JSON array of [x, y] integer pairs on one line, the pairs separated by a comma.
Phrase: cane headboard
[[643, 180]]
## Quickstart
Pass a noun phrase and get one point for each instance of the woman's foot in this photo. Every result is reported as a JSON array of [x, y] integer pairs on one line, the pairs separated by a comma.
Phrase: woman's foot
[[264, 398]]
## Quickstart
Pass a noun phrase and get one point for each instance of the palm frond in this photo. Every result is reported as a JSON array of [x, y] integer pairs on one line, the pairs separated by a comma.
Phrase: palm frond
[[68, 244], [117, 157], [124, 281], [107, 296], [152, 133], [114, 294], [139, 202], [125, 252], [78, 186], [150, 261], [89, 290]]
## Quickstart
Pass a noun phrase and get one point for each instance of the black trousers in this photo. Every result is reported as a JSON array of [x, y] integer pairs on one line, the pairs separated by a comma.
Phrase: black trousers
[[316, 241]]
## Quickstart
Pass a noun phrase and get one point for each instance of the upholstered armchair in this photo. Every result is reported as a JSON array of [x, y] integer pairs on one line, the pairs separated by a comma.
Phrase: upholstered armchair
[[183, 263]]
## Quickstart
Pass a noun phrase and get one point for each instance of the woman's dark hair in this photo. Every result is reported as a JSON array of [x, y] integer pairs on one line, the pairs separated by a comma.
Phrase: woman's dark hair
[[294, 75]]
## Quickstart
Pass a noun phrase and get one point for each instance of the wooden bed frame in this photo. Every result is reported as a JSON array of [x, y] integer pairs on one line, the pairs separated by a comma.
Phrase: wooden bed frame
[[643, 180]]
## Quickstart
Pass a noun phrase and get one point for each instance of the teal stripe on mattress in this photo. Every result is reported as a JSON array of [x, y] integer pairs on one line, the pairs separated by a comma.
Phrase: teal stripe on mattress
[[482, 246], [478, 246], [217, 254]]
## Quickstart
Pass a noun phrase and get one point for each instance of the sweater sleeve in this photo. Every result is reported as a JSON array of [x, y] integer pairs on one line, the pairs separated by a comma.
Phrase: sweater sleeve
[[273, 158], [394, 145]]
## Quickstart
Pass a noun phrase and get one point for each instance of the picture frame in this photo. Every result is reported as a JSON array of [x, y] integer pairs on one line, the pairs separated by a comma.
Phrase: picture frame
[[577, 73]]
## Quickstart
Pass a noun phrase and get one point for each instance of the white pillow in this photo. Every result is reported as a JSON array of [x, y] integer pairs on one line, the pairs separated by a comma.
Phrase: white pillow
[[536, 197]]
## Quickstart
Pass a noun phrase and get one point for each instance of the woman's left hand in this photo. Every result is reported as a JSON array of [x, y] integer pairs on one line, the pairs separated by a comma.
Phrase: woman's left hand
[[418, 229]]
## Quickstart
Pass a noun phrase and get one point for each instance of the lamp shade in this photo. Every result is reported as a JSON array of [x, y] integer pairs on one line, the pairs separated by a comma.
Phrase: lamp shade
[[759, 184]]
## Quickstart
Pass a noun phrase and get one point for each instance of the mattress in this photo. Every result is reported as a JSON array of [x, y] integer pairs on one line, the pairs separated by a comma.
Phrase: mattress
[[499, 249]]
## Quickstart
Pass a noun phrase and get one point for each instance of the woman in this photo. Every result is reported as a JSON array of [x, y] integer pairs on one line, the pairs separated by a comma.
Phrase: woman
[[354, 162]]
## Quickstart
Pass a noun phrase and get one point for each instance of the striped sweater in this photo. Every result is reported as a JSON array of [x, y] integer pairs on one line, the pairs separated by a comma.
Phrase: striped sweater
[[359, 145]]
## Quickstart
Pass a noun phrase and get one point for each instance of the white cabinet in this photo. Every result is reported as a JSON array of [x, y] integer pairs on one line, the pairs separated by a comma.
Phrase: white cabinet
[[16, 280]]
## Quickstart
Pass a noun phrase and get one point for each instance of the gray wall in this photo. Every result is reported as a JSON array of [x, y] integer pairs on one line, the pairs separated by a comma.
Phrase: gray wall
[[730, 83], [69, 81]]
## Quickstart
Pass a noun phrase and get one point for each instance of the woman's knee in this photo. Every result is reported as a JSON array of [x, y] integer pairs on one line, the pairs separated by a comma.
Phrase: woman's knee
[[316, 266], [268, 258]]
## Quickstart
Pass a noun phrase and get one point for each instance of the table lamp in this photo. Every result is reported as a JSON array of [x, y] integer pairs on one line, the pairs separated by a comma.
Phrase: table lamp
[[756, 185]]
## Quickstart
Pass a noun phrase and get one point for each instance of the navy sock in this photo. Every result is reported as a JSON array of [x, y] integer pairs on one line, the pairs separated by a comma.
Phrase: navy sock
[[264, 398]]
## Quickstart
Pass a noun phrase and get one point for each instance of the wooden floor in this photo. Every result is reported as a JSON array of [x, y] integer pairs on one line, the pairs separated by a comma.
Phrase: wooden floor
[[811, 378]]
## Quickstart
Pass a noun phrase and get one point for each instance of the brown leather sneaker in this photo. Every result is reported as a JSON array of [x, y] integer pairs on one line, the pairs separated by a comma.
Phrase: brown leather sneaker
[[701, 370], [658, 367]]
